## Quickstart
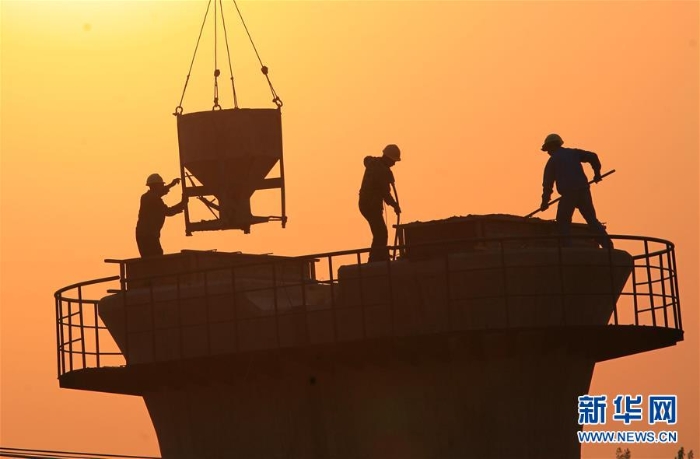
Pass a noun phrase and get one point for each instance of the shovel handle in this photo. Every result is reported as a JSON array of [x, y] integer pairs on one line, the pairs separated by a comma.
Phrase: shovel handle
[[559, 198], [398, 221]]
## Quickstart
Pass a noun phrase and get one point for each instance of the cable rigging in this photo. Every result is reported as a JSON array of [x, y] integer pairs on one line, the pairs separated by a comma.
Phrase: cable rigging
[[263, 68], [229, 152]]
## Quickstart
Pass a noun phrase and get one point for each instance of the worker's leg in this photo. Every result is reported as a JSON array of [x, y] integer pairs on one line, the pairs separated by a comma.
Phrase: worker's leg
[[141, 243], [565, 210], [149, 244], [157, 249], [585, 206], [380, 236]]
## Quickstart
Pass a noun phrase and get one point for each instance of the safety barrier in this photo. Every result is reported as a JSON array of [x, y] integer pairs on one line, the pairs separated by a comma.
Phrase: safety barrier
[[649, 297]]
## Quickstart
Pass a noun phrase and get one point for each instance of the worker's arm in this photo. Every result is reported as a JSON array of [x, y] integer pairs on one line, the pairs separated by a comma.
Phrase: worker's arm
[[547, 184], [388, 198], [177, 208], [172, 184], [394, 204], [592, 159]]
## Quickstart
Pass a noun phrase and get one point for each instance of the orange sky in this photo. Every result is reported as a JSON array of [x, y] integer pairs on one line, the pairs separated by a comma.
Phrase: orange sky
[[467, 89]]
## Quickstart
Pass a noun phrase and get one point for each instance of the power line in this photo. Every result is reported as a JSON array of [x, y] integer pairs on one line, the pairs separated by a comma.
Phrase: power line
[[24, 453]]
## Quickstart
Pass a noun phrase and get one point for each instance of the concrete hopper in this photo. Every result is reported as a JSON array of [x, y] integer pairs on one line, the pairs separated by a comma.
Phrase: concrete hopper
[[227, 155]]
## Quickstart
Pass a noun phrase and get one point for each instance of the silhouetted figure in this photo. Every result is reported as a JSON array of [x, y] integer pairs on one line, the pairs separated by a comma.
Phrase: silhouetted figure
[[373, 193], [152, 213], [565, 168]]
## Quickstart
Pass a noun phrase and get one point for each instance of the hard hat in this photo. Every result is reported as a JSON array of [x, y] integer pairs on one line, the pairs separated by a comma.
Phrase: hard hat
[[391, 151], [154, 179], [552, 138]]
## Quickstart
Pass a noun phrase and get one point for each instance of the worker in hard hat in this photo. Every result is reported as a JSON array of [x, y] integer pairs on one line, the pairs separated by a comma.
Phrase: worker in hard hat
[[565, 168], [374, 192], [152, 213]]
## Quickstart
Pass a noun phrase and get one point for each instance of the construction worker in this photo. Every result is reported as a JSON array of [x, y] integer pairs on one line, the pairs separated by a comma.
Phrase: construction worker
[[152, 213], [373, 193], [565, 168]]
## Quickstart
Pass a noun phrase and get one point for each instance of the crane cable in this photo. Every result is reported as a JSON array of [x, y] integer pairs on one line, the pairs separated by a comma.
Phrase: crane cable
[[178, 109], [228, 52], [216, 64], [263, 68]]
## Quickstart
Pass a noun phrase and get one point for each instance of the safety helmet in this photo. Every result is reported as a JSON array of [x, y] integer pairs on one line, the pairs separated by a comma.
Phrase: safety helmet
[[391, 151], [550, 139], [154, 179]]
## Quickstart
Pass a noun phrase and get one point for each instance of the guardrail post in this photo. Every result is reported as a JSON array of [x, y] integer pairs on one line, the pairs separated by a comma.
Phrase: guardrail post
[[663, 289], [59, 340], [678, 297], [125, 304], [97, 336], [671, 276], [613, 303], [362, 295], [122, 275], [647, 263], [70, 335], [634, 292], [82, 325], [125, 308], [333, 312]]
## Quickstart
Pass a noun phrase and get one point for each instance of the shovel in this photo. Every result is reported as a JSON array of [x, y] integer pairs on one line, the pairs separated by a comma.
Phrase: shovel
[[557, 200]]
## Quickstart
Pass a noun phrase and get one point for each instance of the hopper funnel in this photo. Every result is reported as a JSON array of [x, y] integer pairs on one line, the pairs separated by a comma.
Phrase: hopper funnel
[[225, 157]]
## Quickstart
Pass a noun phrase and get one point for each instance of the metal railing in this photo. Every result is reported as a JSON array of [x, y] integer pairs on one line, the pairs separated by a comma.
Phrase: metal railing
[[79, 330], [648, 298]]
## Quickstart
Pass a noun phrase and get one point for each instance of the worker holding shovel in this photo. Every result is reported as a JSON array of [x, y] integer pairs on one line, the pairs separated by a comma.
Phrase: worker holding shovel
[[565, 168]]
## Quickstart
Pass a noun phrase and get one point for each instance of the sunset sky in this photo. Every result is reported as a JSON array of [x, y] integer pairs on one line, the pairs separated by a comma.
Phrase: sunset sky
[[467, 89]]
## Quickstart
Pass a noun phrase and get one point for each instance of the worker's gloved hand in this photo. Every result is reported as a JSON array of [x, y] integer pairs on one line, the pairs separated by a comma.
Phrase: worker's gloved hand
[[175, 182], [597, 178], [544, 206], [397, 209]]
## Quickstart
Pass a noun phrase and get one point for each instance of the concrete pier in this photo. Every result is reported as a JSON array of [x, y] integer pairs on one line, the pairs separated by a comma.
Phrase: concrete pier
[[469, 348]]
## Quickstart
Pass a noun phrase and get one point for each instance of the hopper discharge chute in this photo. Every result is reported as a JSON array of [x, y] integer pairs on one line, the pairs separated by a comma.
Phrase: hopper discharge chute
[[226, 155]]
